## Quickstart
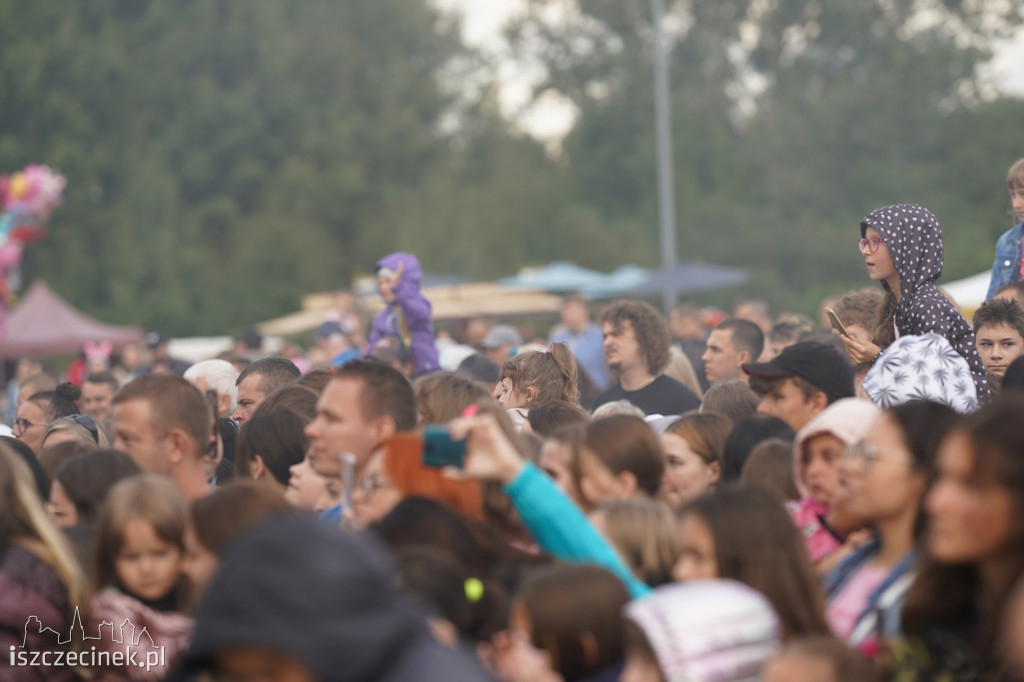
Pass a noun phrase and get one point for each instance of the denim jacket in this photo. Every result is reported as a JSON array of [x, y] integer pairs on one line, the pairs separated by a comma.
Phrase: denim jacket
[[1006, 267], [881, 618]]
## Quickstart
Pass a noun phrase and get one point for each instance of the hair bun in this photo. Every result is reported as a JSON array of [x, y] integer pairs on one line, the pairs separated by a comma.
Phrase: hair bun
[[70, 391]]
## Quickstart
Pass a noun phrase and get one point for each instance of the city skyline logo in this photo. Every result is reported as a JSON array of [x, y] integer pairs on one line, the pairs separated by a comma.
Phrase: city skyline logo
[[115, 636], [127, 635]]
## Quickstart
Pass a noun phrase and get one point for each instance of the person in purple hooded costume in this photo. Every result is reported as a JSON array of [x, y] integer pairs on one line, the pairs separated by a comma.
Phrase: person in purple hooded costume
[[407, 315]]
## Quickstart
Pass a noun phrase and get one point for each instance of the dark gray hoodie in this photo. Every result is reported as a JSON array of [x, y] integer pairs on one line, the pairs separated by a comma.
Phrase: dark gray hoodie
[[914, 238], [303, 588]]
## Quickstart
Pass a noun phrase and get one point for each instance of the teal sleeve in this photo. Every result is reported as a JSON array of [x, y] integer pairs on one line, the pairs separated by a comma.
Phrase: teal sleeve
[[561, 528]]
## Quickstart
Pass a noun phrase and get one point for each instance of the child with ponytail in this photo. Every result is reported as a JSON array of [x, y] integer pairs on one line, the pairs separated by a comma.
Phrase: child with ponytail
[[537, 378]]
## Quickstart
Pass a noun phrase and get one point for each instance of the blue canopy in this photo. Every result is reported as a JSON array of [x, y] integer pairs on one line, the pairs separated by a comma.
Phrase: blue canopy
[[558, 276], [691, 277], [623, 279], [627, 280]]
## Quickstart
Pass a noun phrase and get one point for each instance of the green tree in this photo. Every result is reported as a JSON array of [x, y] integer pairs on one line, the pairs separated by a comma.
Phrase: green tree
[[223, 157], [791, 120]]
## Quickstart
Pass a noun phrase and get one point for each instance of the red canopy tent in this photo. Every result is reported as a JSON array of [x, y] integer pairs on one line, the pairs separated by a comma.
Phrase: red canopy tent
[[43, 324]]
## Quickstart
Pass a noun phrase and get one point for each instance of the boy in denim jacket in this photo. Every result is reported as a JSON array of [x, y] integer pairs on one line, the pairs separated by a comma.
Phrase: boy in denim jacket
[[1008, 264]]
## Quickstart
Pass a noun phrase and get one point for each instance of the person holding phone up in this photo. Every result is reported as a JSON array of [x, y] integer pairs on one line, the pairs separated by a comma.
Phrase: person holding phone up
[[556, 523]]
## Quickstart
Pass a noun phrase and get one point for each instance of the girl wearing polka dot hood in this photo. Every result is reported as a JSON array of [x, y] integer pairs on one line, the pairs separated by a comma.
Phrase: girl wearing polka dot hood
[[902, 248]]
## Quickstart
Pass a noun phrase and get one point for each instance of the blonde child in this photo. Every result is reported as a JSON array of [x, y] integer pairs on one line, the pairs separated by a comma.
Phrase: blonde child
[[645, 534], [139, 544]]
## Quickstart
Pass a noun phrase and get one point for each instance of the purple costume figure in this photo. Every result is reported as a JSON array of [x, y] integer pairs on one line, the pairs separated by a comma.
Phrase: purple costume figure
[[407, 315]]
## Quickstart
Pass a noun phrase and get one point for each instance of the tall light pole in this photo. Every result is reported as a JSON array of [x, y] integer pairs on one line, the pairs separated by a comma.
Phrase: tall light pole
[[663, 133]]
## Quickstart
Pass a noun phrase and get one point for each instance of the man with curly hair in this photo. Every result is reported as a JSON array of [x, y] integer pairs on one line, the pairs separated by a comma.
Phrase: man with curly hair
[[636, 348]]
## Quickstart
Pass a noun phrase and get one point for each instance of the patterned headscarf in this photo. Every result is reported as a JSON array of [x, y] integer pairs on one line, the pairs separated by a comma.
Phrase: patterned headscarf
[[708, 630], [922, 368]]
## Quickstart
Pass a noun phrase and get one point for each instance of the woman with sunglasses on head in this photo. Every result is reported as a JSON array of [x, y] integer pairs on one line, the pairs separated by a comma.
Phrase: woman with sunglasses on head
[[885, 476], [902, 248], [973, 554], [77, 428], [42, 408]]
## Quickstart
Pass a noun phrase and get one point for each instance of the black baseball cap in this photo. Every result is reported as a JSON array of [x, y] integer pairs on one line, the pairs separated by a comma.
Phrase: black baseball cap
[[819, 364]]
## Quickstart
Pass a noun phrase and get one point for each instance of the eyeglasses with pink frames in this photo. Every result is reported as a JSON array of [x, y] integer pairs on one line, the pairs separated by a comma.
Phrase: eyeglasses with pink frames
[[871, 244]]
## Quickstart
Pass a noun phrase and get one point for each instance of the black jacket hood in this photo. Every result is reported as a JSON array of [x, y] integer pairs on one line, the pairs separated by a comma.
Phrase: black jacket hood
[[303, 588]]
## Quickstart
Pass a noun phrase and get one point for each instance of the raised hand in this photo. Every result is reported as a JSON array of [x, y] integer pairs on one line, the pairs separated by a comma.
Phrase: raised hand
[[490, 455]]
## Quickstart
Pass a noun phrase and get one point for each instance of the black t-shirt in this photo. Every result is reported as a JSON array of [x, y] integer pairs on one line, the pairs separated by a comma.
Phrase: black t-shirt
[[664, 396]]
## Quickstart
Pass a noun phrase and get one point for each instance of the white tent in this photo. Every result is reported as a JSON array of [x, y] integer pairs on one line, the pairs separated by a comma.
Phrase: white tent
[[449, 302], [968, 293]]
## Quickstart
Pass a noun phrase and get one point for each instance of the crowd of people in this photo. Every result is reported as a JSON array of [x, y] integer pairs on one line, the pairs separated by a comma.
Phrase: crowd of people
[[700, 497]]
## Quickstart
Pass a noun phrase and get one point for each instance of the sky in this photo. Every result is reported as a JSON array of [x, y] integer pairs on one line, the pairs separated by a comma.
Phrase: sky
[[549, 119]]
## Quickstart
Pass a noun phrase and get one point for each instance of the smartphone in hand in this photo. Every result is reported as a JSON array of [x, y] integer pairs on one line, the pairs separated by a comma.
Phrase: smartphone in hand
[[836, 323], [440, 450]]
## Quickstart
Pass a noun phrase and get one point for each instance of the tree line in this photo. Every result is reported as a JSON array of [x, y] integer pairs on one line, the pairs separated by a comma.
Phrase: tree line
[[223, 158]]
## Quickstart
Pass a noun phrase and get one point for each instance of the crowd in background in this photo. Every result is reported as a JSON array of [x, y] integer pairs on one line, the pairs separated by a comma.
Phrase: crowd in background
[[704, 496]]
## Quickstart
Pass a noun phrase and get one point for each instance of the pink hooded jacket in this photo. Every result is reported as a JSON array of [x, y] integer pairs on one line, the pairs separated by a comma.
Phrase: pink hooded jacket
[[848, 420]]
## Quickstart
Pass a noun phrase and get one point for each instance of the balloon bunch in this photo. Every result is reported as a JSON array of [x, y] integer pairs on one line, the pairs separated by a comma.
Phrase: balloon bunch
[[26, 200]]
